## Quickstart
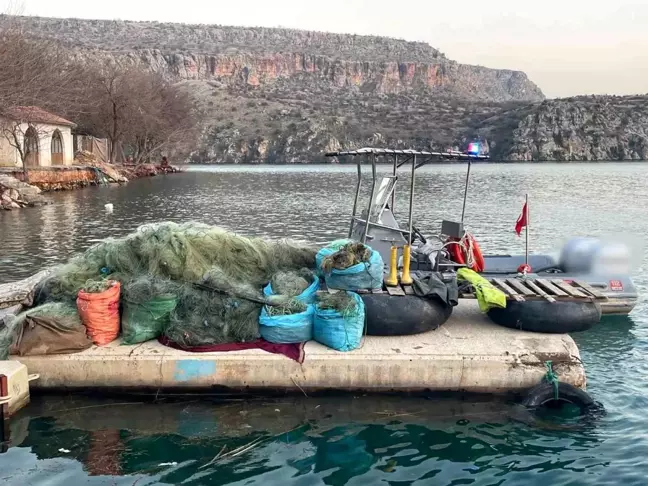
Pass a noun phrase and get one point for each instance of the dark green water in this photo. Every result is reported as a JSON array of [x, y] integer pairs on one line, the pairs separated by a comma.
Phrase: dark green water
[[344, 440]]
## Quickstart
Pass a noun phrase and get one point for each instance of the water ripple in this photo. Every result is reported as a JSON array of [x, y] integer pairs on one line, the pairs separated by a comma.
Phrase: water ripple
[[346, 441]]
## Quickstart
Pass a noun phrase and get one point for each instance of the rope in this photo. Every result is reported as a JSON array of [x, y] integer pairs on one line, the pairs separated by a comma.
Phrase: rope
[[470, 255], [552, 378], [466, 244]]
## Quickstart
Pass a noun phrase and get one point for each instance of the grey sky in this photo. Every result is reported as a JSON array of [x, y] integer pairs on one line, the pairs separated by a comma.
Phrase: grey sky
[[567, 47]]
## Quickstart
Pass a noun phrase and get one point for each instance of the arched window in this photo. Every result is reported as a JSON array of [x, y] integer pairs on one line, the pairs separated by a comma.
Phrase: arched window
[[57, 148], [31, 147]]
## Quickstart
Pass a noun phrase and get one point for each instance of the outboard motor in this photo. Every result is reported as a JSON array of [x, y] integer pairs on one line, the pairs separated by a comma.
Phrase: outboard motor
[[593, 256], [578, 254], [613, 258]]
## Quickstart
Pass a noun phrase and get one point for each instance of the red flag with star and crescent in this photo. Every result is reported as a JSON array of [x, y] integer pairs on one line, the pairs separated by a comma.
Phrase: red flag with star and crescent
[[522, 221]]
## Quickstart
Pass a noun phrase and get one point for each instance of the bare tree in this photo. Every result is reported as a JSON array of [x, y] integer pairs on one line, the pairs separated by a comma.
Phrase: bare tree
[[24, 136], [139, 110], [130, 106], [36, 75], [37, 72], [167, 122]]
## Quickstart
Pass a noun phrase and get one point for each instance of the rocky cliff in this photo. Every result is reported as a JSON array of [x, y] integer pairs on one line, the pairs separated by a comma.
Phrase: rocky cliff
[[581, 128], [256, 57], [283, 95]]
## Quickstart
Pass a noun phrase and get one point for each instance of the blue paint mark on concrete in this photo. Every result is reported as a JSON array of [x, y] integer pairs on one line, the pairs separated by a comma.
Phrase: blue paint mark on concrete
[[192, 369]]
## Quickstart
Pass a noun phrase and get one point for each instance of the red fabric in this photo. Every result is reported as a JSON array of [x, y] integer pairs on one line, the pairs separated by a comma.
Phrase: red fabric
[[522, 220], [292, 351]]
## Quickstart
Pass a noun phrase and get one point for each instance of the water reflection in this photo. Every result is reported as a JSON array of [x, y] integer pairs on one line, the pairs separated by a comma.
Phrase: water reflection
[[361, 440]]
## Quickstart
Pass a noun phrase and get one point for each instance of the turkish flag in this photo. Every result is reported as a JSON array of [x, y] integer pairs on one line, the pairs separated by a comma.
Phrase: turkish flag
[[522, 220]]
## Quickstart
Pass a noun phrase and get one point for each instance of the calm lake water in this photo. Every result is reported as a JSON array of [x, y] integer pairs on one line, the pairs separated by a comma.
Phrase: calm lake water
[[350, 440]]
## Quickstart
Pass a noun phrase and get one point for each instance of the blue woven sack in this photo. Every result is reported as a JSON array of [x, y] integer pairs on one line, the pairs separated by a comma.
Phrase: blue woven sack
[[288, 329], [342, 332], [365, 275]]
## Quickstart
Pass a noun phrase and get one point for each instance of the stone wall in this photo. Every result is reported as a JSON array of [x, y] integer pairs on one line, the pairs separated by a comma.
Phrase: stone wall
[[59, 178]]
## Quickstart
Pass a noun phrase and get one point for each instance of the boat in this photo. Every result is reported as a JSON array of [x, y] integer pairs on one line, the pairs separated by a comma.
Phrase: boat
[[564, 294]]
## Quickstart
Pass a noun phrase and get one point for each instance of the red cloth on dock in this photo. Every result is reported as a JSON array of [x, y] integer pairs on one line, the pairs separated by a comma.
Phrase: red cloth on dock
[[292, 351]]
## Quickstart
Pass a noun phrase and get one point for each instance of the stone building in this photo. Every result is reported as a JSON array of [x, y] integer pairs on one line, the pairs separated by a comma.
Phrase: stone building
[[45, 138]]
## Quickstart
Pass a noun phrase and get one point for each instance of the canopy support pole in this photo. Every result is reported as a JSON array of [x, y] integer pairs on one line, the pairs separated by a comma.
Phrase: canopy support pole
[[357, 195], [411, 200], [371, 197], [393, 196], [463, 211]]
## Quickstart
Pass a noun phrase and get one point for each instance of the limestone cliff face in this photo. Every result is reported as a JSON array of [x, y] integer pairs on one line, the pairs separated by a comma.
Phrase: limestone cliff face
[[384, 77], [582, 128], [256, 57]]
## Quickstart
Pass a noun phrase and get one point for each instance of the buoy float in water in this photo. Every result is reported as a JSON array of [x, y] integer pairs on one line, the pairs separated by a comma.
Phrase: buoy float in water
[[109, 208]]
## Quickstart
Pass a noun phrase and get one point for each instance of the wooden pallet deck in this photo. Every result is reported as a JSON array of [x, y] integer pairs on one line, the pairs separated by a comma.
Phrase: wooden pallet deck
[[400, 290], [518, 289], [551, 290]]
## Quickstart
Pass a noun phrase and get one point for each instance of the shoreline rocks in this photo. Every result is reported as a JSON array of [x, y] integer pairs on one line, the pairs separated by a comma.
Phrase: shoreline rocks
[[15, 194]]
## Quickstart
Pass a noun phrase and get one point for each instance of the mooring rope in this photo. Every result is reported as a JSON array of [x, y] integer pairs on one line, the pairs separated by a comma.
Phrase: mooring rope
[[552, 378]]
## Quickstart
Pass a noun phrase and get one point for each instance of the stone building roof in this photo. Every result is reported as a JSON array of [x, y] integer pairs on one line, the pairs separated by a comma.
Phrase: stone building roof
[[34, 114]]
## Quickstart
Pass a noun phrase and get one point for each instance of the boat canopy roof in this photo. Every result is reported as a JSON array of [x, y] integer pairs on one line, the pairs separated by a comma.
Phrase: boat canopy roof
[[406, 152]]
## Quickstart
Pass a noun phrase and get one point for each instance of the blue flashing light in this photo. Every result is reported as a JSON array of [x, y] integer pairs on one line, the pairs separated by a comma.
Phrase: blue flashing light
[[473, 148]]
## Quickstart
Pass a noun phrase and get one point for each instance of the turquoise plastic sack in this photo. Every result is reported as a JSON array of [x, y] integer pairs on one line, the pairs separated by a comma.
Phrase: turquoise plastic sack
[[366, 275], [288, 329], [342, 332], [307, 296]]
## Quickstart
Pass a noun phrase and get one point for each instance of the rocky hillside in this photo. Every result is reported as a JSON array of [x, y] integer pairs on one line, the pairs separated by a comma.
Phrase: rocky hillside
[[282, 95], [580, 128], [256, 57]]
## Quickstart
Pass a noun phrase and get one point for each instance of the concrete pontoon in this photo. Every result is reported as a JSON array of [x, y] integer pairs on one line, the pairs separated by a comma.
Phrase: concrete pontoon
[[467, 354]]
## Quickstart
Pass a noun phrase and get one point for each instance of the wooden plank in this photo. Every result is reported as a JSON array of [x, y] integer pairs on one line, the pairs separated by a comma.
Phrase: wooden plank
[[507, 290], [588, 288], [395, 291], [532, 285], [550, 288], [520, 287], [574, 292], [408, 290], [377, 291]]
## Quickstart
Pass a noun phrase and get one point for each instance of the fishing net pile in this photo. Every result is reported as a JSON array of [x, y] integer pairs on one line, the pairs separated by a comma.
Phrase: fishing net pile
[[349, 265], [341, 302], [347, 256], [201, 284], [291, 285]]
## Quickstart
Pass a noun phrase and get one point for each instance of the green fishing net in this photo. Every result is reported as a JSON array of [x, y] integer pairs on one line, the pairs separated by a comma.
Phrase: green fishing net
[[215, 276], [347, 256], [7, 333], [291, 283], [342, 302]]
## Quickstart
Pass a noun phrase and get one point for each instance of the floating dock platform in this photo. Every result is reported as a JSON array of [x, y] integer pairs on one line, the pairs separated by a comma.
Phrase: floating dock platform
[[467, 354]]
